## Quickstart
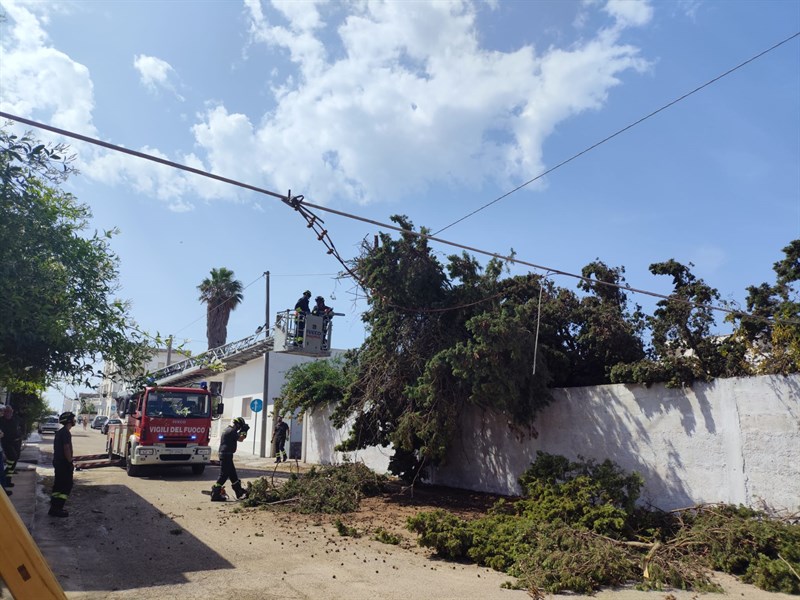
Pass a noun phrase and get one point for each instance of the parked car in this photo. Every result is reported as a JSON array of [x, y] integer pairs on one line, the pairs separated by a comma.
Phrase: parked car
[[99, 421], [49, 424], [109, 423]]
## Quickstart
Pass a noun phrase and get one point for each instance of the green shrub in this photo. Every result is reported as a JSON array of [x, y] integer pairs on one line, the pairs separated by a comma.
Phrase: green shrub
[[346, 530], [576, 528], [447, 534], [385, 537]]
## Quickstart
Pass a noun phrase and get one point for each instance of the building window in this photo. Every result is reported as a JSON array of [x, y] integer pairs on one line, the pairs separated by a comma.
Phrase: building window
[[246, 412]]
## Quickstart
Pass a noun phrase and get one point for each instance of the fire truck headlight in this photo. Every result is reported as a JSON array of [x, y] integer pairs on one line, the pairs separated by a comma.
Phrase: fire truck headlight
[[144, 451], [161, 436], [192, 437]]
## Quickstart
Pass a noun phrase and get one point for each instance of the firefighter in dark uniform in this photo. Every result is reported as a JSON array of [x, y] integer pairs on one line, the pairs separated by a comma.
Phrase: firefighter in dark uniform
[[62, 463], [279, 437], [326, 312], [236, 432], [11, 441], [301, 309]]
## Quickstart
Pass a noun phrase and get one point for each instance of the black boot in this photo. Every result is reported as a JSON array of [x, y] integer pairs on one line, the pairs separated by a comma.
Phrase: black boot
[[218, 494], [240, 491], [57, 508]]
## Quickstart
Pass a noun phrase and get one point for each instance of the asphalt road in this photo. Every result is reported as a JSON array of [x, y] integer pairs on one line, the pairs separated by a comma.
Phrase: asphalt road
[[159, 536]]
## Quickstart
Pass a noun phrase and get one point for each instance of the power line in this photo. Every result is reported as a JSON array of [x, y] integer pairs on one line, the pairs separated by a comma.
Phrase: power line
[[615, 134], [298, 203]]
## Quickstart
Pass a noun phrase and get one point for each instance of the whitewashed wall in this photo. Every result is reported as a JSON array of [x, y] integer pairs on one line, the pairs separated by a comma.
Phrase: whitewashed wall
[[247, 381], [320, 439], [732, 440]]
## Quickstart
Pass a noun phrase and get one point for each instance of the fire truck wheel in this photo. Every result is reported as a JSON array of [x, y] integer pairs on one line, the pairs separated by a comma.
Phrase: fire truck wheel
[[133, 470], [198, 469]]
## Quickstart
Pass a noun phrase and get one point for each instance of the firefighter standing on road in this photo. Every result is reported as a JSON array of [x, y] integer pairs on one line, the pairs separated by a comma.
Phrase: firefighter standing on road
[[62, 463], [236, 432], [279, 437]]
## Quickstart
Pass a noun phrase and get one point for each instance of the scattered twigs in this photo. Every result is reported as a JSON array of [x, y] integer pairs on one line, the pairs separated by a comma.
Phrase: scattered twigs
[[791, 568]]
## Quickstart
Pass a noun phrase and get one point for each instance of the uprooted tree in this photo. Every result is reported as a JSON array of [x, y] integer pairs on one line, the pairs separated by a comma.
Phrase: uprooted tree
[[446, 336]]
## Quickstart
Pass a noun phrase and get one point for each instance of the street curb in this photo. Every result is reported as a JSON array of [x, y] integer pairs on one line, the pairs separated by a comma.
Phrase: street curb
[[25, 482]]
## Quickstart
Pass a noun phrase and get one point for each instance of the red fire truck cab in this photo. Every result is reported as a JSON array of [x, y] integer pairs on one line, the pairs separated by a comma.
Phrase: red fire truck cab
[[164, 426]]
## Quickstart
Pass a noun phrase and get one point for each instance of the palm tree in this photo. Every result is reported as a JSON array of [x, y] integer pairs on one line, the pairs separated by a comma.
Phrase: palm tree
[[221, 294]]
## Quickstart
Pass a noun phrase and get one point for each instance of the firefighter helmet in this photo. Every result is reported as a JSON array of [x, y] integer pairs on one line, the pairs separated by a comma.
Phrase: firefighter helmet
[[66, 418], [307, 293]]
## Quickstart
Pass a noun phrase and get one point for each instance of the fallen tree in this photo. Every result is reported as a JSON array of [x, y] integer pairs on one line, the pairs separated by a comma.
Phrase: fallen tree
[[578, 528]]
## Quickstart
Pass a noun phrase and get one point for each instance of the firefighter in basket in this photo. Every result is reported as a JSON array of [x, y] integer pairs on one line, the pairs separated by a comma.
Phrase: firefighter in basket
[[236, 432]]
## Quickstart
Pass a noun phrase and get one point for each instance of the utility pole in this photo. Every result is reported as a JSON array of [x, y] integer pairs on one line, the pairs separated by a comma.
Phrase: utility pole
[[169, 350], [263, 453]]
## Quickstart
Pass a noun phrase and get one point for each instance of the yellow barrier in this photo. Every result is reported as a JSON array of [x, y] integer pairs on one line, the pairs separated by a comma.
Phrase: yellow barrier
[[22, 566]]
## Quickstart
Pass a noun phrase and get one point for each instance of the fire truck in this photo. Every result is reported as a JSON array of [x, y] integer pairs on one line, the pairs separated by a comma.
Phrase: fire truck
[[164, 426]]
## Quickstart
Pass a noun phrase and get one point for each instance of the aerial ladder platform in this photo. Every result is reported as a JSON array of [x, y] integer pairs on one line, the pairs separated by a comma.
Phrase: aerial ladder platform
[[309, 335]]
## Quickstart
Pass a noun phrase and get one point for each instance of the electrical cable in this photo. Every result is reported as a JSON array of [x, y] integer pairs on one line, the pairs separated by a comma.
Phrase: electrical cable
[[615, 134], [314, 222]]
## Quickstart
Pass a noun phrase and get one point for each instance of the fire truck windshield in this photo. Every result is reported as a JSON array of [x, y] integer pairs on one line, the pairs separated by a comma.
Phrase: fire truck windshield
[[178, 404]]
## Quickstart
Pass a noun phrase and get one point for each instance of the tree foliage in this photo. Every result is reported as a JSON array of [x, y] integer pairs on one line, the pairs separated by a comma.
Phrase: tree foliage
[[58, 316], [609, 333], [312, 384], [576, 527], [774, 346], [444, 336], [221, 294]]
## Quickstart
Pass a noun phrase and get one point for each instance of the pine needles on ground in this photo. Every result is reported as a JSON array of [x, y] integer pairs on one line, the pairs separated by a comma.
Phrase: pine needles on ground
[[577, 528], [328, 489]]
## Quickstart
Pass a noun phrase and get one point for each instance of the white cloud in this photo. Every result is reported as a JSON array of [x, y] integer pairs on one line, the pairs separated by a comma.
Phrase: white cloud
[[416, 100], [630, 13], [42, 83], [382, 102], [35, 77], [156, 74]]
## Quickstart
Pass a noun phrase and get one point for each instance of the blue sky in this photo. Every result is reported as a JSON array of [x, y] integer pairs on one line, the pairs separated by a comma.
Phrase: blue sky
[[425, 109]]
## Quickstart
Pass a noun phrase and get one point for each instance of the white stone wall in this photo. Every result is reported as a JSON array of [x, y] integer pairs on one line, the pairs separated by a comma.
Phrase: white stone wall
[[732, 440], [320, 439]]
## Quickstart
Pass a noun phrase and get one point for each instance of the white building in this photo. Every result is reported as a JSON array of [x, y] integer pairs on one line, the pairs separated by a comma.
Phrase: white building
[[243, 384], [112, 385]]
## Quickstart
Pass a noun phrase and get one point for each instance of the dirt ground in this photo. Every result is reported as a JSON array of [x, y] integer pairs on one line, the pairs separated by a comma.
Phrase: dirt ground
[[159, 537]]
